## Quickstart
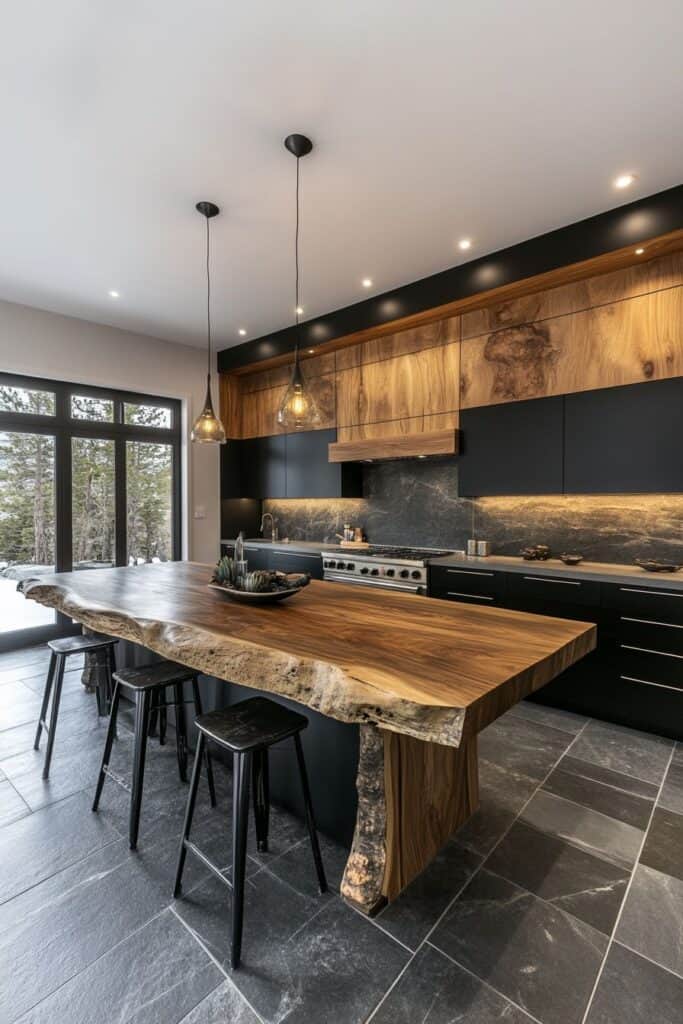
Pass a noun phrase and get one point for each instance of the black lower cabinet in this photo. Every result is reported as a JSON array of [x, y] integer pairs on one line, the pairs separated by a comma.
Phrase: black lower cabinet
[[296, 561], [257, 558], [635, 675]]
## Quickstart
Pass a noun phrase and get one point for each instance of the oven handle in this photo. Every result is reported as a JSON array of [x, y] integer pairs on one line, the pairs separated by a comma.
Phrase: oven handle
[[406, 588]]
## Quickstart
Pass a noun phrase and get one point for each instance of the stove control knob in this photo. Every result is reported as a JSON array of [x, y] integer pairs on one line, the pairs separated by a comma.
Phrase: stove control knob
[[374, 572], [416, 574], [350, 565], [364, 570], [391, 572], [405, 574]]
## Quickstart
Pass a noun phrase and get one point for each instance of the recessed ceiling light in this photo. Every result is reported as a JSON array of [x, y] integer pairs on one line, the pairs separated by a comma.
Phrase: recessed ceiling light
[[624, 180], [242, 331], [639, 252], [299, 310], [113, 294], [311, 351], [465, 243], [367, 282]]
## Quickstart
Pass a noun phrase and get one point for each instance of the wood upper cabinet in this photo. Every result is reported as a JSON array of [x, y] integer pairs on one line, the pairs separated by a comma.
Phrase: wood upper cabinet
[[514, 448], [627, 439]]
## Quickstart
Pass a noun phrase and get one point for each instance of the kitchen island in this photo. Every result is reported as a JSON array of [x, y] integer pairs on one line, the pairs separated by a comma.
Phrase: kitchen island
[[420, 678]]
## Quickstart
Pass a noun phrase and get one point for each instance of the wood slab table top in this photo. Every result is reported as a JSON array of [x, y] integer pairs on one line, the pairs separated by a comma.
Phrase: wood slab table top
[[435, 670]]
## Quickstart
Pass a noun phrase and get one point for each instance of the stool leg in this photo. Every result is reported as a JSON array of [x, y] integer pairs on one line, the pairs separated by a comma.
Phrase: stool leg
[[189, 813], [240, 781], [46, 698], [261, 790], [310, 819], [101, 673], [162, 718], [54, 712], [209, 766], [154, 712], [108, 743], [181, 731], [142, 704]]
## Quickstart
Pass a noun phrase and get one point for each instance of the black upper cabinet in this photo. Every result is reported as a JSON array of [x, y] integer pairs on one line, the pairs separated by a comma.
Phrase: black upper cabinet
[[263, 467], [513, 448], [625, 439], [310, 475], [232, 485]]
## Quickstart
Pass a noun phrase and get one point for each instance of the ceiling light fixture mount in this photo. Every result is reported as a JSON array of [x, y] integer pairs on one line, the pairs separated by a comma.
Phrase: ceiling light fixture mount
[[464, 244], [207, 428], [624, 180], [298, 409]]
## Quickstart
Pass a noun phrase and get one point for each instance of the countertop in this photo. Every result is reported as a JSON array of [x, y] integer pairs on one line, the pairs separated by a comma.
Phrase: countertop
[[600, 572]]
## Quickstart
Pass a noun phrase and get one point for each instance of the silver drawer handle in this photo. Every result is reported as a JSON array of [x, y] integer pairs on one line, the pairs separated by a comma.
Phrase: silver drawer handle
[[655, 593], [469, 572], [649, 650], [477, 597], [650, 622], [648, 682], [548, 579]]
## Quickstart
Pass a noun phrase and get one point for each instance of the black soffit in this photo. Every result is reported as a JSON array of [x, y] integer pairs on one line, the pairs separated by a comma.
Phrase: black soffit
[[626, 225]]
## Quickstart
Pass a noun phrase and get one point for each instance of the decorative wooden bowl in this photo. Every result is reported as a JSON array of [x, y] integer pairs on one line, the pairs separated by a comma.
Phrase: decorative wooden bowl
[[286, 586]]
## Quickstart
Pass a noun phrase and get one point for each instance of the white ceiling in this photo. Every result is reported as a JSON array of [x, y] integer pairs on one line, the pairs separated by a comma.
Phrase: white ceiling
[[432, 120]]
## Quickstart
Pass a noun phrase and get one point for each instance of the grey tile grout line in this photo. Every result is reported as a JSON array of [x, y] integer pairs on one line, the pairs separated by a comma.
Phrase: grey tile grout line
[[487, 983], [66, 867], [611, 939], [374, 921], [676, 974], [215, 962], [438, 921], [585, 807], [25, 802]]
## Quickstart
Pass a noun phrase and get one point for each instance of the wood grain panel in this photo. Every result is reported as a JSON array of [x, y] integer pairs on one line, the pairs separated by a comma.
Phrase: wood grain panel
[[430, 791], [230, 404], [392, 428], [408, 386], [398, 446], [640, 279], [312, 366], [634, 340], [259, 408], [400, 344]]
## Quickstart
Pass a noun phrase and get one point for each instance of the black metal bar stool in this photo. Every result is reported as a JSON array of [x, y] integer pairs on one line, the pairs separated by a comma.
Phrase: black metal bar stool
[[148, 685], [60, 651], [247, 729]]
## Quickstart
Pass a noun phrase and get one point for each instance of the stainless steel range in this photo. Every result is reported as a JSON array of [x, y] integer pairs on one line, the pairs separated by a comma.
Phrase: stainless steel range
[[378, 566]]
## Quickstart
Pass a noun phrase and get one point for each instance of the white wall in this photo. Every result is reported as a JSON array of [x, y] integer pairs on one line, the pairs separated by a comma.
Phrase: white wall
[[44, 344]]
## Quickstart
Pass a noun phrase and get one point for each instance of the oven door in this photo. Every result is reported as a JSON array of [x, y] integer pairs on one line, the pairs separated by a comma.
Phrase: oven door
[[379, 584]]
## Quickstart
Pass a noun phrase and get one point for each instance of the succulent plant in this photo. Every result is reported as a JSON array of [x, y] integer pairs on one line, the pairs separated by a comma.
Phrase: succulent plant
[[224, 573], [257, 582]]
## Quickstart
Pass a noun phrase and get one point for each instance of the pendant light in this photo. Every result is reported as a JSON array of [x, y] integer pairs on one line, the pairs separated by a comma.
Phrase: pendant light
[[208, 428], [298, 409]]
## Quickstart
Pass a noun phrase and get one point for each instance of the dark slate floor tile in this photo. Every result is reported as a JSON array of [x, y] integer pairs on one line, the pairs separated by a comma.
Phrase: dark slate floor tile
[[19, 739], [26, 656], [21, 705], [582, 827], [11, 804], [565, 721], [542, 959], [418, 908], [72, 681], [47, 841], [615, 803], [652, 919], [225, 1005], [156, 976], [435, 990], [502, 795], [663, 848], [2, 775], [615, 780], [296, 867], [583, 885], [54, 930], [671, 798], [624, 750], [634, 991], [302, 959], [521, 746]]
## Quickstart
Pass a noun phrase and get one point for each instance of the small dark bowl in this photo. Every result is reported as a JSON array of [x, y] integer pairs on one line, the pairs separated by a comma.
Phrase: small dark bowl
[[650, 565], [571, 559]]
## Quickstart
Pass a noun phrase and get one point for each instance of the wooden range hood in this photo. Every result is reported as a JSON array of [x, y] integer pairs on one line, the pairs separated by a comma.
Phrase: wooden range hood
[[396, 446]]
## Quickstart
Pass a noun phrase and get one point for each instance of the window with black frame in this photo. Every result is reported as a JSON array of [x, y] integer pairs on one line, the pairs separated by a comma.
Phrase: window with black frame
[[89, 478]]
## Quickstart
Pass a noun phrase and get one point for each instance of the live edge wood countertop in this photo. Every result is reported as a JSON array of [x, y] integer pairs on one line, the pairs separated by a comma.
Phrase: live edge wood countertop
[[421, 678], [434, 670]]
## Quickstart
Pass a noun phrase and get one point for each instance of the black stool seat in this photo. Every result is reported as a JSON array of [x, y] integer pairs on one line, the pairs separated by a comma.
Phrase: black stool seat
[[147, 677], [77, 644], [247, 729], [251, 724]]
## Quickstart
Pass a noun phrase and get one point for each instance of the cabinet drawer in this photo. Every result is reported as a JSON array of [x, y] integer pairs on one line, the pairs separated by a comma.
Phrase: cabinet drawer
[[257, 558], [649, 635], [645, 602], [650, 666], [296, 561], [478, 586], [553, 590]]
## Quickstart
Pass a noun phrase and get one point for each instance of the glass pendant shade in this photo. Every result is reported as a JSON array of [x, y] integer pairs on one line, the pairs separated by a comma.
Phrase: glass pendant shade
[[298, 409], [207, 428]]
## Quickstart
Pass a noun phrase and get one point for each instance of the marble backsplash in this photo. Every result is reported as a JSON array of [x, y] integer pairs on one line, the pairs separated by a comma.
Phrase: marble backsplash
[[416, 503]]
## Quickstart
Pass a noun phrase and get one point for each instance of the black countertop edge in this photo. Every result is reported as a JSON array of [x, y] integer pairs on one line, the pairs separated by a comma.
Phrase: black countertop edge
[[599, 572]]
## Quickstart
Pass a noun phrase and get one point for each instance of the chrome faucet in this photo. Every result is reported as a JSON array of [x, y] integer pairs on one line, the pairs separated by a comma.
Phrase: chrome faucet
[[273, 527]]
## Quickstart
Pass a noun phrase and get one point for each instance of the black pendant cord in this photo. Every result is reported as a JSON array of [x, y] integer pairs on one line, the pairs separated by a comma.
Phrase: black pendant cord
[[296, 254], [208, 301]]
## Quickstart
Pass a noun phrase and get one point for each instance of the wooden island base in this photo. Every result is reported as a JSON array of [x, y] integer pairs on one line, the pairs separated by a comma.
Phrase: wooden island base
[[420, 678]]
